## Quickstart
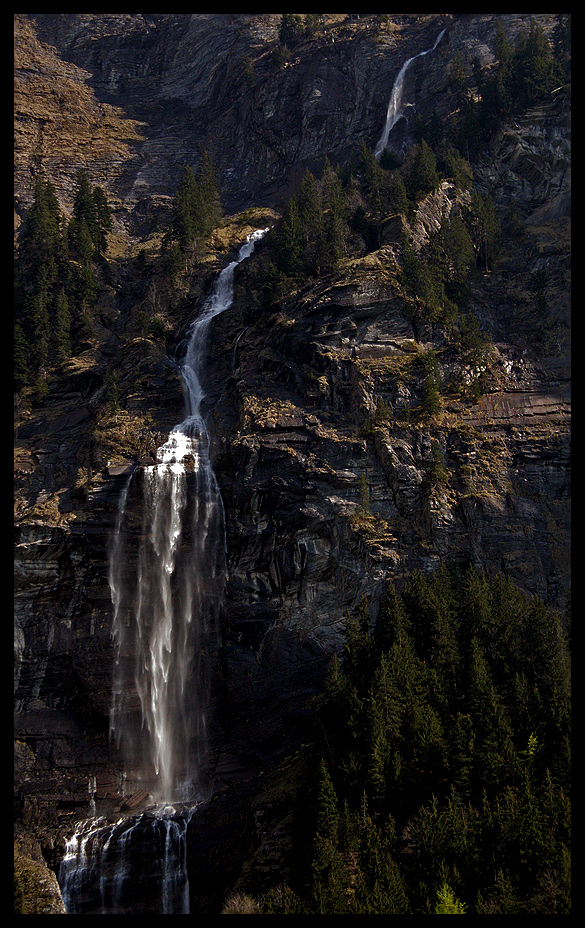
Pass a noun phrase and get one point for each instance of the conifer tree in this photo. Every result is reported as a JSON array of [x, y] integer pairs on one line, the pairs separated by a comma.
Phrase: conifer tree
[[84, 204], [334, 217], [380, 888], [533, 66], [397, 196], [211, 208], [562, 44], [431, 404], [358, 650], [184, 207], [375, 185], [38, 326], [103, 220], [328, 873], [422, 178], [196, 205], [309, 208], [62, 329], [21, 369], [393, 622], [477, 777], [310, 213], [485, 230], [447, 903], [328, 812], [289, 241], [41, 238]]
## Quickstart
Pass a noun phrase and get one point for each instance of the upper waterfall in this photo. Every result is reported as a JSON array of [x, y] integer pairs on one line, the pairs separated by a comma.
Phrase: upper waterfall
[[396, 103]]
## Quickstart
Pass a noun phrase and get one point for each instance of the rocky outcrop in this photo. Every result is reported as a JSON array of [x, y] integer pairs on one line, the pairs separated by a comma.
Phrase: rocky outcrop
[[36, 890], [61, 125]]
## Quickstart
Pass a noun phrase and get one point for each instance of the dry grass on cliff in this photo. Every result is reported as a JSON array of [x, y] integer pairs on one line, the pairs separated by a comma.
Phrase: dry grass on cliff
[[241, 904]]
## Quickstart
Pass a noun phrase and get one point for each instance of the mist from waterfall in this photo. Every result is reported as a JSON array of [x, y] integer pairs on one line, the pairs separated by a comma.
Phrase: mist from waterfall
[[396, 104]]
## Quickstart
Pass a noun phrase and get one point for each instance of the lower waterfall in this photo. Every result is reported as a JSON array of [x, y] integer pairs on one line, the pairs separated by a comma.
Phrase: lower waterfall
[[167, 579], [133, 865]]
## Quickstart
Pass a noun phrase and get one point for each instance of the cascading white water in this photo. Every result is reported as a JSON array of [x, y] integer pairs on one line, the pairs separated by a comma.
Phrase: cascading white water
[[166, 601], [396, 103], [166, 611], [128, 866]]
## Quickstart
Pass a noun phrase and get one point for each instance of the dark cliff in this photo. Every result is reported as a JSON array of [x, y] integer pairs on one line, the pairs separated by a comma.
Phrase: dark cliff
[[325, 467]]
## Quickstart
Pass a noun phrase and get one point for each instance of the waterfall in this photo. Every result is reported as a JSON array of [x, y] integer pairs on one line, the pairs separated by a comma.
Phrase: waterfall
[[166, 579], [128, 866], [166, 609], [396, 104]]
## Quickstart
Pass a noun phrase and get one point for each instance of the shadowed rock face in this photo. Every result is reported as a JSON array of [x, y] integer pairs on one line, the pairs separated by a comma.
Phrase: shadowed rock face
[[325, 468], [191, 82], [164, 87]]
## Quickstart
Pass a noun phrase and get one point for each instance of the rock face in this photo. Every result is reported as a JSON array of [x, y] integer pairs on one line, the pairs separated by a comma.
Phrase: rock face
[[36, 890], [195, 82], [330, 477]]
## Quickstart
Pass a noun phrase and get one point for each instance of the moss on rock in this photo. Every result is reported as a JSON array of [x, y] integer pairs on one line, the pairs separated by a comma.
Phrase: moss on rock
[[36, 889]]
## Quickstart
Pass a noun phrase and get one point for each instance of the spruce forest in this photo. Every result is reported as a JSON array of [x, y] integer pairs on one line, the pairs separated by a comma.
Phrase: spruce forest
[[445, 779]]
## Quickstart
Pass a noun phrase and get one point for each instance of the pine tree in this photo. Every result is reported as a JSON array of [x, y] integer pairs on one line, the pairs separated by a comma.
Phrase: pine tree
[[422, 177], [103, 220], [562, 44], [291, 29], [196, 205], [84, 207], [40, 243], [486, 231], [211, 208], [334, 217], [184, 205], [459, 258], [447, 903], [502, 898], [62, 329], [38, 327], [358, 650], [431, 403], [534, 73], [288, 244], [466, 717], [21, 369], [397, 196], [459, 76], [328, 812], [380, 889], [375, 185], [393, 622], [309, 208], [329, 879]]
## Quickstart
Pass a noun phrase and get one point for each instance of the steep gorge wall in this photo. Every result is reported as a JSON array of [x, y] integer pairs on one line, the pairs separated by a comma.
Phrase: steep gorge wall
[[324, 501]]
